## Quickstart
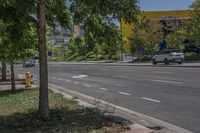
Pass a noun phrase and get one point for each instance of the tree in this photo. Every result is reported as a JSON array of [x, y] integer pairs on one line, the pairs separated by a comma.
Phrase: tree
[[26, 12], [193, 25], [3, 70], [72, 46], [175, 38], [17, 43], [147, 35], [43, 103], [173, 30], [99, 17], [50, 12]]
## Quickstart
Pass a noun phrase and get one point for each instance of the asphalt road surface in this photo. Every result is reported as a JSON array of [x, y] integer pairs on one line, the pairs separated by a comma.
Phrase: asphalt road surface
[[171, 94]]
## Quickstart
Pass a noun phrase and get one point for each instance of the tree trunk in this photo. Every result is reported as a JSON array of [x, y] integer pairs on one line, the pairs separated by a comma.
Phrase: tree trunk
[[13, 87], [4, 77], [43, 96]]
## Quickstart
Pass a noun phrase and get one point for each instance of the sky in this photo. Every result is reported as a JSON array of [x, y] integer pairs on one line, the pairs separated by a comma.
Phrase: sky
[[163, 5]]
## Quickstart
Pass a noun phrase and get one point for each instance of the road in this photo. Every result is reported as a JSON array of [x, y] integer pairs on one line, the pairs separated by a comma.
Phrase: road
[[171, 94]]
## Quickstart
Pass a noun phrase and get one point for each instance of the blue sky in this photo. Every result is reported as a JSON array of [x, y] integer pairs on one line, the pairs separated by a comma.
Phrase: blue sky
[[163, 5], [160, 5]]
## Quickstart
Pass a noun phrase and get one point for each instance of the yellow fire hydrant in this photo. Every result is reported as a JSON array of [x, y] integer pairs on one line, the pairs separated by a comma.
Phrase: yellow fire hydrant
[[28, 79]]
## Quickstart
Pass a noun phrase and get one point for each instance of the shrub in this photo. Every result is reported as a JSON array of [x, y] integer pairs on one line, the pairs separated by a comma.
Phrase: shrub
[[144, 58], [191, 56]]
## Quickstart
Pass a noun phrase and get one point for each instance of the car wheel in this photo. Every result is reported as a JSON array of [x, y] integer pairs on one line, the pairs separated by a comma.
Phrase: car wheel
[[181, 62], [154, 62], [166, 61]]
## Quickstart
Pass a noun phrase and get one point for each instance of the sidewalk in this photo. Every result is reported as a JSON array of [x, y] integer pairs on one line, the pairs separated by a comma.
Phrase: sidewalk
[[145, 64]]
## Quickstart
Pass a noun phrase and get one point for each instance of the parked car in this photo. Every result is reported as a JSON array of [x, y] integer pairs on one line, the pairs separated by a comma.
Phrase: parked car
[[167, 56], [29, 64]]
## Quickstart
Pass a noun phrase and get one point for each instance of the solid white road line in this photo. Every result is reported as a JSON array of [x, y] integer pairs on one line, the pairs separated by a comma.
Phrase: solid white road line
[[165, 81], [87, 85], [162, 72], [152, 100], [124, 93], [104, 89]]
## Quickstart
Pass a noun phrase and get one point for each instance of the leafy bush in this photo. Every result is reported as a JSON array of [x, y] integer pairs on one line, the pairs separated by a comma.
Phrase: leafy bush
[[191, 56], [115, 57], [144, 58]]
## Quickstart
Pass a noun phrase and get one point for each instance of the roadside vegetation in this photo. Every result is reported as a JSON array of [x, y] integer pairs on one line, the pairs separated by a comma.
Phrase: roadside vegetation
[[23, 33], [146, 38], [18, 113]]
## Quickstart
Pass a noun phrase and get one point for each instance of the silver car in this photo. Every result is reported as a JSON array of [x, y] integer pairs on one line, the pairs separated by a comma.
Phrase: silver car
[[167, 56]]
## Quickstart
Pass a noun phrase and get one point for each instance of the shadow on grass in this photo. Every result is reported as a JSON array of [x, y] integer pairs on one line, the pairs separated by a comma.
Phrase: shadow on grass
[[10, 92], [61, 121]]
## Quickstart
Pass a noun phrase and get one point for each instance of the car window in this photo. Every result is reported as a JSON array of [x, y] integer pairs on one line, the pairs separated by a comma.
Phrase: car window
[[175, 50]]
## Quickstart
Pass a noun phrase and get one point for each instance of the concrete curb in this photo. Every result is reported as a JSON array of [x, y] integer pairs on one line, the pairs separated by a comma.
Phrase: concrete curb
[[134, 128], [144, 119], [126, 64]]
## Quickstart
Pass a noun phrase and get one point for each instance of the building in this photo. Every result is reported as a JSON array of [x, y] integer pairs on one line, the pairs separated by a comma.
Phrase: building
[[159, 13], [58, 40], [59, 35], [79, 30]]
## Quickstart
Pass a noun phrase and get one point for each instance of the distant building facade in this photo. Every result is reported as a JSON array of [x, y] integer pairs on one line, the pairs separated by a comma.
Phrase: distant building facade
[[79, 30], [59, 35], [177, 15]]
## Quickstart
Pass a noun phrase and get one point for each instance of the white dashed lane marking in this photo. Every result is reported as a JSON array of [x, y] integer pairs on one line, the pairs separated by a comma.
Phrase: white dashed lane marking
[[104, 89], [86, 85], [76, 83], [79, 76], [124, 93], [152, 100], [60, 79], [165, 81]]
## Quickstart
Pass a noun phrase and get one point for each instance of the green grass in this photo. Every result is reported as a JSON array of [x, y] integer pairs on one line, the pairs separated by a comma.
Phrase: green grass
[[18, 114]]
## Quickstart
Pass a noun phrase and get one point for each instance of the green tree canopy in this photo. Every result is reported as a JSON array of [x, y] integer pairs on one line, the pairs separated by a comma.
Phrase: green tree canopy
[[148, 34], [193, 25], [99, 18]]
